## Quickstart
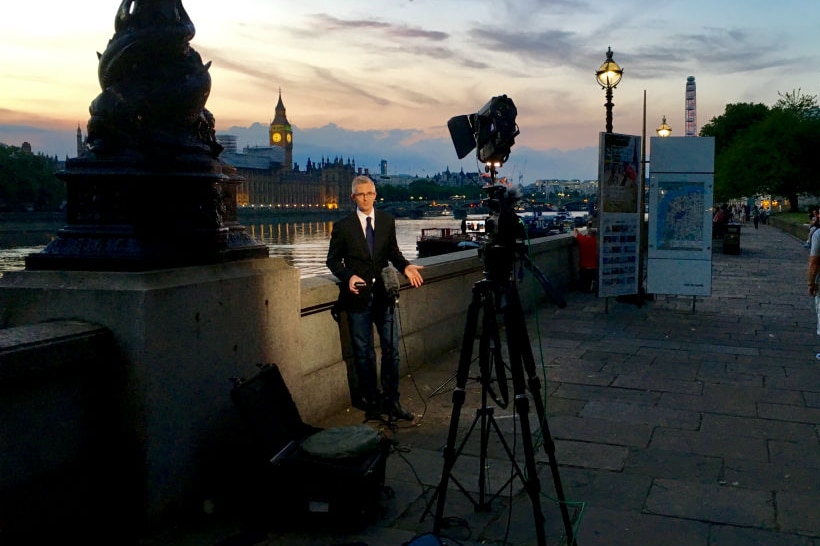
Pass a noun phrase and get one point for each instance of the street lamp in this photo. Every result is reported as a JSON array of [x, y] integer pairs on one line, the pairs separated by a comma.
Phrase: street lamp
[[664, 130], [608, 76]]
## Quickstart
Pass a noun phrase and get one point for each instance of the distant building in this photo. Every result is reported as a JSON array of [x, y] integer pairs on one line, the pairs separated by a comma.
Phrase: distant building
[[459, 179], [228, 143], [272, 180]]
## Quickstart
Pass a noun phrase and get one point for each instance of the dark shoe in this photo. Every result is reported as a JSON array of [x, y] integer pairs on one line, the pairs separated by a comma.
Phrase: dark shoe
[[397, 413]]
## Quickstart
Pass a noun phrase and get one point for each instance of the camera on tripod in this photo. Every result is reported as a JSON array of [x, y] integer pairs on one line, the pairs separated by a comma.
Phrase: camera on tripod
[[492, 131]]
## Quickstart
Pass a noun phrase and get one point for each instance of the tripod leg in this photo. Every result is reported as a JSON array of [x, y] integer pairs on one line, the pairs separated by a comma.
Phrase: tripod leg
[[518, 329], [489, 350], [459, 396], [531, 483]]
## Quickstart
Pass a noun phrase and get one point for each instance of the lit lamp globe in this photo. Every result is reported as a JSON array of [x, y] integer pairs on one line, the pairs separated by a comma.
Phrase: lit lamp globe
[[609, 76], [664, 130]]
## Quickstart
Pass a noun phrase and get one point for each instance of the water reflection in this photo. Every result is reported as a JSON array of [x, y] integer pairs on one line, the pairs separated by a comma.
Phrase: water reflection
[[13, 259], [301, 244]]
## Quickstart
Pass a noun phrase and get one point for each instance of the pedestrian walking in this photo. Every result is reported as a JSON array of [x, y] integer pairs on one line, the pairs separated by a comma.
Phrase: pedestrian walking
[[814, 277], [814, 224]]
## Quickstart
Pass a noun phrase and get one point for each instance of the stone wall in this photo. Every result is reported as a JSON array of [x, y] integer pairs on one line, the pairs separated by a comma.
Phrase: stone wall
[[61, 428], [801, 231], [182, 334]]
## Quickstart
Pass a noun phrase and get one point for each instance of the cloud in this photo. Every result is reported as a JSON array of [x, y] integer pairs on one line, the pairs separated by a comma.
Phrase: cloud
[[710, 50], [328, 23], [248, 68], [553, 47]]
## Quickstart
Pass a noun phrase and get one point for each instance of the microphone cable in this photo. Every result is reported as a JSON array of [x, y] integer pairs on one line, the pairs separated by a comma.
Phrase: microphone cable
[[397, 316]]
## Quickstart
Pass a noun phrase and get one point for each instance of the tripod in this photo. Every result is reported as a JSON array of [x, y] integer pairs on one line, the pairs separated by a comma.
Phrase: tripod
[[488, 297]]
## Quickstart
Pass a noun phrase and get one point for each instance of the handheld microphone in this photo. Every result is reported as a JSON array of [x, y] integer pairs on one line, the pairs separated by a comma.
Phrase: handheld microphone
[[390, 277]]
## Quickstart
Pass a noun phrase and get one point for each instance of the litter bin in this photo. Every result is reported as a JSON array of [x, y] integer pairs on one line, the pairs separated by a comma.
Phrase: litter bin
[[731, 239]]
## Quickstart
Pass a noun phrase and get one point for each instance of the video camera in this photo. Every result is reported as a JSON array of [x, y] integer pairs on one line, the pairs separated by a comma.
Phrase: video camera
[[491, 131]]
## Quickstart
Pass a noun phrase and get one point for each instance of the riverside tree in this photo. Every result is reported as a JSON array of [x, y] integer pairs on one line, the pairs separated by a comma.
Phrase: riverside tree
[[27, 181], [762, 150]]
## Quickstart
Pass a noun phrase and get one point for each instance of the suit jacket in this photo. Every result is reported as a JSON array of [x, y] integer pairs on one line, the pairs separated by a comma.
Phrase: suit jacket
[[348, 255]]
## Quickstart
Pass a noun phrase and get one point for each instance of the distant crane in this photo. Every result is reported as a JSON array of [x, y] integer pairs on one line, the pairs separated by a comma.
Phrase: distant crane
[[691, 111]]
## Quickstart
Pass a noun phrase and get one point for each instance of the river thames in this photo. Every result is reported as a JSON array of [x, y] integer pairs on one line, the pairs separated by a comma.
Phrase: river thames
[[302, 244]]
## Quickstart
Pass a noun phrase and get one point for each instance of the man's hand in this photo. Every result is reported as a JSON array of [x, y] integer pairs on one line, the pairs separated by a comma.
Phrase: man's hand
[[413, 275], [355, 283]]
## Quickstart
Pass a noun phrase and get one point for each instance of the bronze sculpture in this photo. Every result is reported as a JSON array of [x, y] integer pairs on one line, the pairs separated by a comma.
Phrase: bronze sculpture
[[148, 190]]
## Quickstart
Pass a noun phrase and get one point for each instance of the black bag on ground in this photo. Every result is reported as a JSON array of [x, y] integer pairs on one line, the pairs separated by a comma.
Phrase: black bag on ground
[[335, 474]]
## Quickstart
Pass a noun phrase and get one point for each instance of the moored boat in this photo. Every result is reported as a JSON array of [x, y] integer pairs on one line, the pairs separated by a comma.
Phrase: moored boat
[[436, 241], [442, 240]]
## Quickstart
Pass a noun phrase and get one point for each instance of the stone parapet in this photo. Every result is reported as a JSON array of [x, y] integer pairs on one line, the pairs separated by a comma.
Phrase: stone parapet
[[184, 333]]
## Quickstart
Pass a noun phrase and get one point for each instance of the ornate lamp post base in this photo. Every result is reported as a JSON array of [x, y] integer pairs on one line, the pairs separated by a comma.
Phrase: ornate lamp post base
[[126, 217], [149, 191]]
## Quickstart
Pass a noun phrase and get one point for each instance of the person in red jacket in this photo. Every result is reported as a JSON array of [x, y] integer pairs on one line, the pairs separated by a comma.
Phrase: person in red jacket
[[588, 259]]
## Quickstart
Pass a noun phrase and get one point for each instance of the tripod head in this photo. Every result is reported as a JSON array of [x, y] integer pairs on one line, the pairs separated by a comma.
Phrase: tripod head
[[505, 240], [504, 230]]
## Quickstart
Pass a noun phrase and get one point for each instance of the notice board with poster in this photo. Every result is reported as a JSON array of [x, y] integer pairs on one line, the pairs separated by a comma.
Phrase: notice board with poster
[[619, 227], [681, 188]]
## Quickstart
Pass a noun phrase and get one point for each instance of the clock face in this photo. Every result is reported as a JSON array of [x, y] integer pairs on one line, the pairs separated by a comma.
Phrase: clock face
[[289, 136], [277, 137]]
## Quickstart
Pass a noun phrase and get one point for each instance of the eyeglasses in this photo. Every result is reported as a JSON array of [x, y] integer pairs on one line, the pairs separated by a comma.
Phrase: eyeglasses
[[370, 194]]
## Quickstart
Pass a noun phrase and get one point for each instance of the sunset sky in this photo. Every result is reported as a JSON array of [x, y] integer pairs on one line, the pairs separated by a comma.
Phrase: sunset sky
[[379, 79]]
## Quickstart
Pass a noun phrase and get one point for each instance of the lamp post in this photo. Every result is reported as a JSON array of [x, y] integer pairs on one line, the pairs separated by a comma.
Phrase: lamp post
[[664, 130], [608, 76]]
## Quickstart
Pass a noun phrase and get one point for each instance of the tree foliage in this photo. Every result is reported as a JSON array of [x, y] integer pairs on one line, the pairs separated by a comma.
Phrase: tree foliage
[[734, 121], [795, 101], [27, 181], [761, 150]]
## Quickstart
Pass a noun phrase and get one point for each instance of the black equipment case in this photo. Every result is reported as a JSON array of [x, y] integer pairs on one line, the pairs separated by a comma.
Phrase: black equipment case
[[334, 474]]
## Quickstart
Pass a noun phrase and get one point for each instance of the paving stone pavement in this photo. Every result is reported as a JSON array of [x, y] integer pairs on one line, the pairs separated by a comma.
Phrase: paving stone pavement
[[680, 422]]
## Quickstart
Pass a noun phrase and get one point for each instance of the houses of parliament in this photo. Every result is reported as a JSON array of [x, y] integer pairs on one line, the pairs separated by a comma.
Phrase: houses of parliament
[[270, 178]]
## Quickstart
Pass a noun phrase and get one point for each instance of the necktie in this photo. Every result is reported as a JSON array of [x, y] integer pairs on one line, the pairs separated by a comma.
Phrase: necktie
[[369, 234]]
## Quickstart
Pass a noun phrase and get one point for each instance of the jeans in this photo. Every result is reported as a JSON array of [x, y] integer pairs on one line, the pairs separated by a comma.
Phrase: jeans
[[817, 310], [364, 353]]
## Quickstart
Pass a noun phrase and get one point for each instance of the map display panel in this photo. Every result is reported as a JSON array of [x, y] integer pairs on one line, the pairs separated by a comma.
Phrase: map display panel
[[679, 216]]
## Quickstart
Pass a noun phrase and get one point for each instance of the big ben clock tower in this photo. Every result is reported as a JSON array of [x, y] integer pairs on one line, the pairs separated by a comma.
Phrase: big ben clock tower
[[281, 133]]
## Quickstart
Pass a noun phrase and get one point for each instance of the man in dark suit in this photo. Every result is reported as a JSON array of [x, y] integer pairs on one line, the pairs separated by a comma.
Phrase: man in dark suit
[[361, 245]]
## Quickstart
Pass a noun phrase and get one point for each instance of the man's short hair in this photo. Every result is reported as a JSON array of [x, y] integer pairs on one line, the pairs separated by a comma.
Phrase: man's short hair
[[358, 181]]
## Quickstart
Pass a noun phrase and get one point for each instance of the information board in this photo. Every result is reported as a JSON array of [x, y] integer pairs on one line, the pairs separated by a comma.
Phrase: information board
[[619, 187], [681, 188]]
